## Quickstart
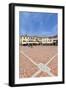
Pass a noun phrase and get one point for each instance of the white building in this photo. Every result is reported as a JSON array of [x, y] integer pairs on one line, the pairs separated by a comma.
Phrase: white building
[[35, 40]]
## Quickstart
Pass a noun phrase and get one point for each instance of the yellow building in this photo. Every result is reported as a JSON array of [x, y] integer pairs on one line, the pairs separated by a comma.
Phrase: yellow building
[[35, 40]]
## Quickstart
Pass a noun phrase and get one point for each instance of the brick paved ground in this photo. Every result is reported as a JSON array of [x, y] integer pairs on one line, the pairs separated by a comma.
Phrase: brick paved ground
[[40, 54]]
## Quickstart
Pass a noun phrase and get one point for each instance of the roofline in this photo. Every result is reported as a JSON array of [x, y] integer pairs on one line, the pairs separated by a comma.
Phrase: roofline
[[39, 36]]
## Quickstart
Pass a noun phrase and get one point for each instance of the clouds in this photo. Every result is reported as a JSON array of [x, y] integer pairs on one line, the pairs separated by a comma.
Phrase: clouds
[[37, 23]]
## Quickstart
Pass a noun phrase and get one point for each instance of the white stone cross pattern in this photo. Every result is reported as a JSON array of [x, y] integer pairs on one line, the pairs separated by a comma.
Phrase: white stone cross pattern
[[42, 67]]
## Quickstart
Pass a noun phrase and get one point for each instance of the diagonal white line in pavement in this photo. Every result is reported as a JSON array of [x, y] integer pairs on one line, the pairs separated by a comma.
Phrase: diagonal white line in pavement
[[51, 59], [36, 73], [47, 68], [28, 58], [39, 71], [44, 68], [50, 74], [41, 65]]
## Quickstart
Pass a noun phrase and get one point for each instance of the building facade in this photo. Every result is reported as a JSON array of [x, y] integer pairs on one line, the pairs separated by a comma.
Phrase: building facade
[[35, 40]]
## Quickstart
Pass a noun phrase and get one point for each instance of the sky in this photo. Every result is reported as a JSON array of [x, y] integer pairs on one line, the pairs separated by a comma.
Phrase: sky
[[38, 24]]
